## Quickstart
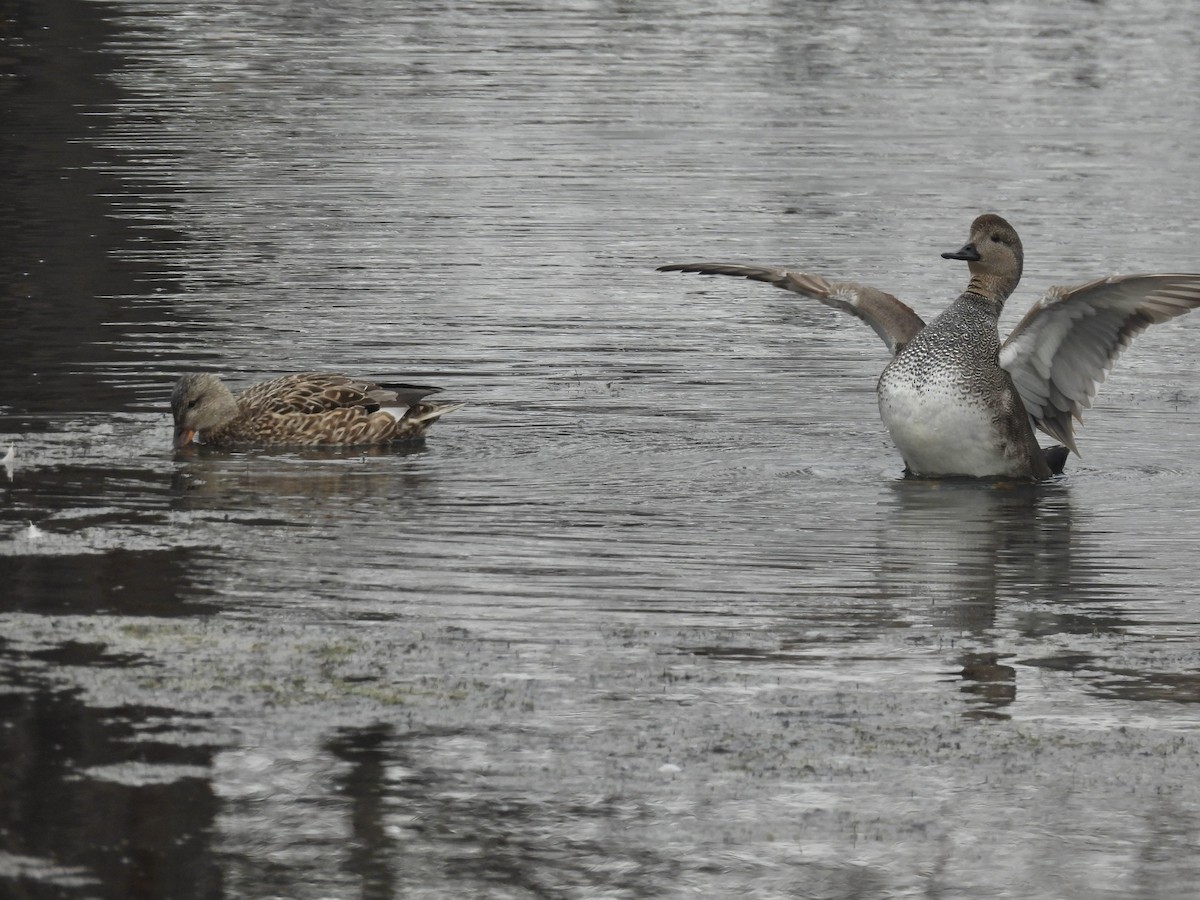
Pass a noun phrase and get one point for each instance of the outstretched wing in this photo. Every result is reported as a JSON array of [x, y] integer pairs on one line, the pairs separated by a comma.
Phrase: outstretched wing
[[314, 392], [891, 319], [1061, 352]]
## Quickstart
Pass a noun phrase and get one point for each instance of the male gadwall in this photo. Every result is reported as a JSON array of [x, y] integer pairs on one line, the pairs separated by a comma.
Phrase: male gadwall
[[309, 409], [956, 401]]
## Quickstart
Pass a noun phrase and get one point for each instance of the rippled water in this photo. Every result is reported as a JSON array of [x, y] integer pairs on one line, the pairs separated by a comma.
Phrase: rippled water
[[654, 614]]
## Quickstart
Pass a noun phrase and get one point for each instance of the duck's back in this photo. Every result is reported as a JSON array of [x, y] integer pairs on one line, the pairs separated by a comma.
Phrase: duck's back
[[320, 409]]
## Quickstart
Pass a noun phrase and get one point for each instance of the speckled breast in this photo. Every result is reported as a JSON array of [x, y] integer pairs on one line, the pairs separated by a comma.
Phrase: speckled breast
[[942, 400]]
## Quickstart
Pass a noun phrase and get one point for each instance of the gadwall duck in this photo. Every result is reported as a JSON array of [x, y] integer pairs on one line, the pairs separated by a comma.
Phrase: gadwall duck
[[955, 400], [308, 409]]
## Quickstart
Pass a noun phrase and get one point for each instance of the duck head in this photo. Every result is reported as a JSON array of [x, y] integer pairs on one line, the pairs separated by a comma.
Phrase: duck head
[[994, 255], [199, 402]]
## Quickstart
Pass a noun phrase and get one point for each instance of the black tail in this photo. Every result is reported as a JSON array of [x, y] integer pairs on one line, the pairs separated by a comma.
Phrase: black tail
[[407, 393], [1056, 458]]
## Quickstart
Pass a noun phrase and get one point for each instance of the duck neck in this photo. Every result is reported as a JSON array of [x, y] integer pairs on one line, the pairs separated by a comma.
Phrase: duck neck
[[992, 288]]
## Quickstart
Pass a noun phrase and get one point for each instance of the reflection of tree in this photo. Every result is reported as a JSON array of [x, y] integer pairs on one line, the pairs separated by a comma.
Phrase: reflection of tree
[[372, 853], [65, 249], [415, 823], [82, 832], [116, 581]]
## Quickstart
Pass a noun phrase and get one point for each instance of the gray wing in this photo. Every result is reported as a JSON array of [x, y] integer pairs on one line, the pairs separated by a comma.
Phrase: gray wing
[[1061, 352], [891, 319]]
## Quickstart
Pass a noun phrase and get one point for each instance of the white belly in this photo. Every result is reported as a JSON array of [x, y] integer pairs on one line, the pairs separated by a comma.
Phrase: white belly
[[940, 429]]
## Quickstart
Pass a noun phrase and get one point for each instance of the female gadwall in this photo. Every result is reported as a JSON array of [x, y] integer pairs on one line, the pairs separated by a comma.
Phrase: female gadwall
[[959, 403], [300, 410]]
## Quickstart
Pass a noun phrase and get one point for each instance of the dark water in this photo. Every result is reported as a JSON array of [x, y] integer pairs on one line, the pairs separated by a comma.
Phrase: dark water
[[654, 615]]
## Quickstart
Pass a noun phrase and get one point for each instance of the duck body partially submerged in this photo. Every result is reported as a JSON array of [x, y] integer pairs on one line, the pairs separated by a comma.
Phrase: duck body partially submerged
[[303, 410]]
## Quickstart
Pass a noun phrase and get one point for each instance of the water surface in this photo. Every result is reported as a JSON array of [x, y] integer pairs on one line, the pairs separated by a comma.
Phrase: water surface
[[655, 613]]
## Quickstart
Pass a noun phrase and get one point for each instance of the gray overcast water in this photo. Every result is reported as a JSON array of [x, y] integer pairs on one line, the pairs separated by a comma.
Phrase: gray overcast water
[[655, 614]]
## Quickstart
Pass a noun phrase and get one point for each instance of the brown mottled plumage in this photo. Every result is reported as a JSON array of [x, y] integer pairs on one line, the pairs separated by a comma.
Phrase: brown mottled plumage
[[308, 409]]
